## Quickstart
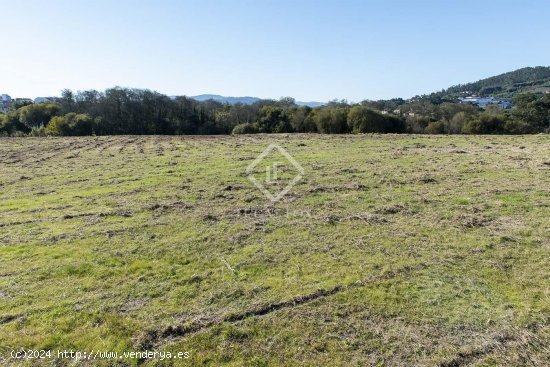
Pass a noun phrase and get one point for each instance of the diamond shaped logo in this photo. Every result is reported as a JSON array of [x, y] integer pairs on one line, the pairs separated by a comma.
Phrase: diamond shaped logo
[[272, 172]]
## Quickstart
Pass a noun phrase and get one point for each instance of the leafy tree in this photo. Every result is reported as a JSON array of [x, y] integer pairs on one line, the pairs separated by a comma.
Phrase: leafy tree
[[286, 102], [518, 126], [299, 120], [330, 120], [10, 124], [67, 102], [19, 104], [531, 113], [36, 115], [71, 124], [57, 126], [225, 121], [417, 124], [365, 120], [487, 122], [384, 105], [447, 111], [456, 125], [272, 119], [435, 127]]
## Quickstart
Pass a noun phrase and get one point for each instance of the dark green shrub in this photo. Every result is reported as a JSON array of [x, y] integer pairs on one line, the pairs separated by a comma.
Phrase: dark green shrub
[[362, 119], [71, 124], [245, 129], [436, 127], [487, 122]]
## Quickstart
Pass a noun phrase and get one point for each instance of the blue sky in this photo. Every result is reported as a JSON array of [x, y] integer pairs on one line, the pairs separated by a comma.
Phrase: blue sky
[[310, 50]]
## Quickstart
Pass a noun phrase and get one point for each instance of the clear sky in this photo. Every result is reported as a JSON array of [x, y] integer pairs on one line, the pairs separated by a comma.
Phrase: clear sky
[[310, 50]]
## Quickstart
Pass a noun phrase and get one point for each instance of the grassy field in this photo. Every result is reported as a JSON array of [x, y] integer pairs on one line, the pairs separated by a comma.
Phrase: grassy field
[[391, 251]]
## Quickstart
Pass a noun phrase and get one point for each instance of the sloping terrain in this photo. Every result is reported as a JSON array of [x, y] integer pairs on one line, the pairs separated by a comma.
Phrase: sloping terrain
[[529, 79], [392, 250]]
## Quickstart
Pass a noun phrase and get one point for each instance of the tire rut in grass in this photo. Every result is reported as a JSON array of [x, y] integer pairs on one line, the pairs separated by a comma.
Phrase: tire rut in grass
[[3, 225], [31, 156], [151, 338], [465, 358], [74, 148], [499, 341], [4, 319]]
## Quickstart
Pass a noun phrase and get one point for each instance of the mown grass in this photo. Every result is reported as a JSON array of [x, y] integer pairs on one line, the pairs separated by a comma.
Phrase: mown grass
[[428, 250]]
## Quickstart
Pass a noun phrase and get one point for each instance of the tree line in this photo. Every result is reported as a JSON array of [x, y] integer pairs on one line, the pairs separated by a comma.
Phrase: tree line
[[143, 112]]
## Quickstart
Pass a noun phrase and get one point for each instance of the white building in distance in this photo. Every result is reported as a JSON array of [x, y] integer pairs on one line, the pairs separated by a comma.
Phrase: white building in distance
[[486, 101]]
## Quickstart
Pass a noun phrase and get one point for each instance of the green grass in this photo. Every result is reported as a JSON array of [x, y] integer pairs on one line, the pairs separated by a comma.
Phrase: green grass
[[392, 250]]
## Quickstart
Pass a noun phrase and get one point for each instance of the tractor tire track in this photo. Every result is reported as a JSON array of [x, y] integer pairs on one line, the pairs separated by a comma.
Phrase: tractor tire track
[[154, 338], [499, 341], [31, 155]]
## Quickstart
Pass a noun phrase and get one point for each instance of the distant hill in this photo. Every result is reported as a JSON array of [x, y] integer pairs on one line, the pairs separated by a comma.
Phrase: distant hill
[[310, 104], [244, 100], [507, 85], [530, 79], [223, 99]]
